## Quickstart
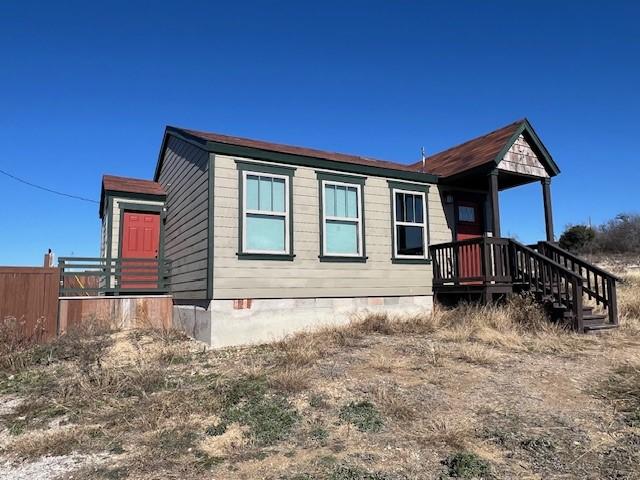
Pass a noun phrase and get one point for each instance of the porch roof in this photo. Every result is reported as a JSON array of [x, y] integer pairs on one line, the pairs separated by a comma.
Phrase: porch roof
[[128, 185], [485, 152]]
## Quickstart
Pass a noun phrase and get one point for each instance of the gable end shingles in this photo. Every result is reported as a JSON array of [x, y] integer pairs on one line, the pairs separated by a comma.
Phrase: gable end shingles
[[184, 174], [521, 158]]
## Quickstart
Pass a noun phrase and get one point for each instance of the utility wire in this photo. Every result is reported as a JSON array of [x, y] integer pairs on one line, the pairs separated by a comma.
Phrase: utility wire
[[48, 189]]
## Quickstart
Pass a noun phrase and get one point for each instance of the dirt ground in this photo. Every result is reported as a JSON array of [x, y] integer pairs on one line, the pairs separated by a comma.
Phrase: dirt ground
[[469, 393]]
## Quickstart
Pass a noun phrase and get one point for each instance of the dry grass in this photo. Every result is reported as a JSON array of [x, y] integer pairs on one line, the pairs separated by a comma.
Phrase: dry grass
[[388, 396]]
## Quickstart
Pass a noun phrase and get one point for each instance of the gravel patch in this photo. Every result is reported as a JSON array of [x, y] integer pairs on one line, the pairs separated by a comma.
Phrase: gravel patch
[[45, 468]]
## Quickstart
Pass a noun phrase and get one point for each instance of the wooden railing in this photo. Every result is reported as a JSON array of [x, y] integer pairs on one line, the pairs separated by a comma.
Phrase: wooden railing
[[85, 276], [598, 284], [477, 260], [488, 261]]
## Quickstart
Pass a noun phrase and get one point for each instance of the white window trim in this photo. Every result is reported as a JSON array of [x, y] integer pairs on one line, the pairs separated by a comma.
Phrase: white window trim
[[284, 214], [396, 223], [357, 220]]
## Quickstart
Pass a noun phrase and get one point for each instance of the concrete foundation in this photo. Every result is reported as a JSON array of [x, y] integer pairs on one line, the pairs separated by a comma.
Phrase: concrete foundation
[[249, 321]]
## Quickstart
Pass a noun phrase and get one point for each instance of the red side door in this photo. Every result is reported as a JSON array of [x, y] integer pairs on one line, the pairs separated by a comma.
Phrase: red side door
[[140, 241], [469, 225]]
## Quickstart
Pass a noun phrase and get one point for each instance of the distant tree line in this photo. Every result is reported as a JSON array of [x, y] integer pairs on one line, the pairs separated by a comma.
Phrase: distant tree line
[[619, 235]]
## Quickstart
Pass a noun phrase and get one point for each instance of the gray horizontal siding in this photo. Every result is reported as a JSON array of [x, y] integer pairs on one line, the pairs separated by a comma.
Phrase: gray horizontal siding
[[306, 276], [184, 175]]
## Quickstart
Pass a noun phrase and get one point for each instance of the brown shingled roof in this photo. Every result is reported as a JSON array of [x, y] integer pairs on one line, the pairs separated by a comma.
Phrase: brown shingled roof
[[129, 185], [473, 153], [293, 150], [132, 185]]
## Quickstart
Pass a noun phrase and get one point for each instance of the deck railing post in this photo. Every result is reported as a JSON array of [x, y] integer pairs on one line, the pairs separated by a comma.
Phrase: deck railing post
[[486, 260], [578, 319], [612, 308]]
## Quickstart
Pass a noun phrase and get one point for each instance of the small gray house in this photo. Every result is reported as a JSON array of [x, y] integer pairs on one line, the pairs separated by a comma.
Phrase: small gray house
[[255, 240]]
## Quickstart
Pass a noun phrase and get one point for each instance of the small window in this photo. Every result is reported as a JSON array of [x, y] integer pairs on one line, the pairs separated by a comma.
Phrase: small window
[[342, 219], [265, 213], [466, 214], [409, 224]]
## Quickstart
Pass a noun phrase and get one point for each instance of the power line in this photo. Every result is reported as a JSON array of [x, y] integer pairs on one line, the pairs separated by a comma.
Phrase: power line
[[76, 197]]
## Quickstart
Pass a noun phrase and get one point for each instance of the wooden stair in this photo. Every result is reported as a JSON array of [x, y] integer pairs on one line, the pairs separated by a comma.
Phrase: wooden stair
[[566, 284]]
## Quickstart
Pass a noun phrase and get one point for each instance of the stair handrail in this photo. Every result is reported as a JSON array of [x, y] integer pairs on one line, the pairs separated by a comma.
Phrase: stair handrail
[[608, 295], [553, 279], [579, 260]]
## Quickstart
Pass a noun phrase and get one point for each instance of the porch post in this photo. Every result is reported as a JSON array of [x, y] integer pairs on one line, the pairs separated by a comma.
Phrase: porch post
[[495, 204], [548, 213]]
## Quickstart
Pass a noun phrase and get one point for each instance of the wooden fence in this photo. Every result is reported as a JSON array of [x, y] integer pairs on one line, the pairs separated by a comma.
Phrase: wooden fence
[[29, 297]]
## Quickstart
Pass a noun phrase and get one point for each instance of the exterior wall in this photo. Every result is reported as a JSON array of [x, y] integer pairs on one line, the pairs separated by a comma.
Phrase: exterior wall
[[184, 176], [306, 276], [521, 158]]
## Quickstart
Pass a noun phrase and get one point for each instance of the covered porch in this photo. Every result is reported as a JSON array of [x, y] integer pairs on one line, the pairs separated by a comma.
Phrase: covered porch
[[479, 263]]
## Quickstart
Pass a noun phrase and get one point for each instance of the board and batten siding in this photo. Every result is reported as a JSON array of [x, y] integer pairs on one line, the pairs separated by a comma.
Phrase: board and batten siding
[[184, 175], [306, 276]]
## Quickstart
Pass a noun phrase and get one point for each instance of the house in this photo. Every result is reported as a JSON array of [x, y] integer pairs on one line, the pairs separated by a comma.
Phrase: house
[[255, 240]]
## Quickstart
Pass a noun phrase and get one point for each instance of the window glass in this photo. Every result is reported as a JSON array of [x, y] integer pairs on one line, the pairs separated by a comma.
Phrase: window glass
[[278, 195], [341, 201], [265, 233], [252, 189], [352, 202], [265, 194], [410, 240], [330, 200], [466, 214], [342, 237]]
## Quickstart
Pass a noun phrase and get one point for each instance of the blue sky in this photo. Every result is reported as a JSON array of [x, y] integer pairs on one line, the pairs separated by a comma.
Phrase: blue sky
[[86, 88]]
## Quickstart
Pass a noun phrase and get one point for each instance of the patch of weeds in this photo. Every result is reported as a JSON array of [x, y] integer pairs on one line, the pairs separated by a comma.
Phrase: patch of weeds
[[111, 473], [317, 401], [538, 445], [117, 449], [269, 417], [27, 381], [346, 472], [633, 418], [467, 465], [319, 434], [216, 430], [175, 441], [17, 428], [207, 462], [363, 415]]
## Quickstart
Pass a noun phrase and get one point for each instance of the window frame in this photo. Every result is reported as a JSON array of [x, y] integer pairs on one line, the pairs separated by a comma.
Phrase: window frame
[[423, 192], [246, 169], [326, 178]]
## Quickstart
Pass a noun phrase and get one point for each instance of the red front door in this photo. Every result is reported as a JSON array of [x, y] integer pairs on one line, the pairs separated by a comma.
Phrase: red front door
[[469, 225], [140, 241]]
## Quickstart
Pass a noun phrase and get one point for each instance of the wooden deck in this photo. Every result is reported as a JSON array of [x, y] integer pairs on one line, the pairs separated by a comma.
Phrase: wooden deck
[[487, 268]]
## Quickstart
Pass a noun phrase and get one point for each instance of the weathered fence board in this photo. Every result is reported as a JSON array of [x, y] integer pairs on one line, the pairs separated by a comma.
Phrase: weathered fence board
[[29, 297], [150, 311]]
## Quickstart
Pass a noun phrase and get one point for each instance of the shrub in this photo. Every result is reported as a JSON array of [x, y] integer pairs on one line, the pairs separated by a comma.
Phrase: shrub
[[619, 235], [577, 237]]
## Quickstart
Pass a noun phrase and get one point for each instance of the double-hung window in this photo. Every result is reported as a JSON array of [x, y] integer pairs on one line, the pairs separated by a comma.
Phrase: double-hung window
[[410, 234], [265, 222], [342, 218]]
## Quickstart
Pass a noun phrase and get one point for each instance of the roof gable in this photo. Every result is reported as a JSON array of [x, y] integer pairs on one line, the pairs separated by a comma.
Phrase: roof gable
[[487, 151]]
